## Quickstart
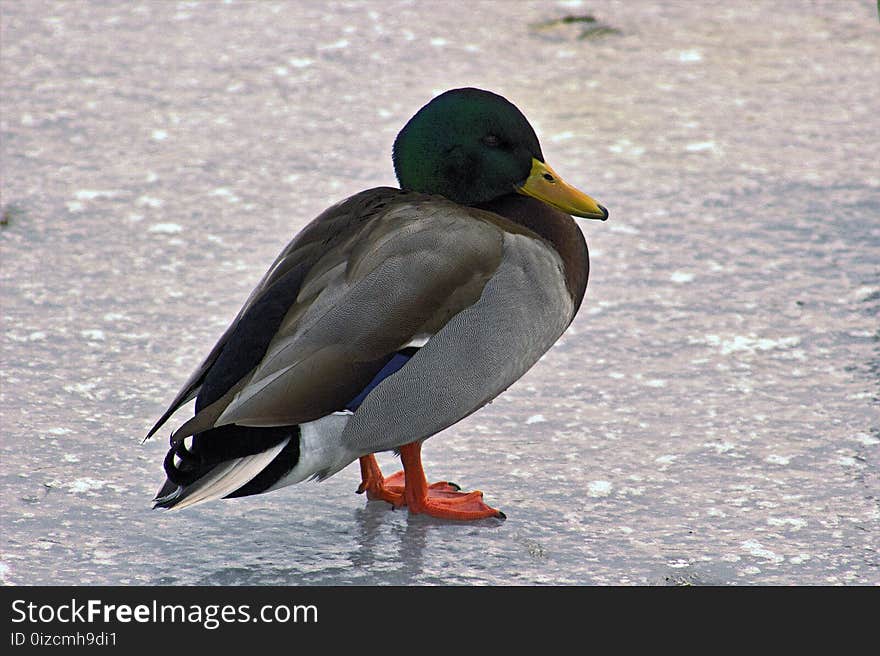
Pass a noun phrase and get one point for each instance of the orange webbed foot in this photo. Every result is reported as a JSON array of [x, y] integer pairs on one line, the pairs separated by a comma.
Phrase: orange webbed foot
[[448, 504], [443, 500]]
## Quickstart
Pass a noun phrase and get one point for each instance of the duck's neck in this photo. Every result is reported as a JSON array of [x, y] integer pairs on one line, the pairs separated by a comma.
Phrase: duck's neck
[[556, 227]]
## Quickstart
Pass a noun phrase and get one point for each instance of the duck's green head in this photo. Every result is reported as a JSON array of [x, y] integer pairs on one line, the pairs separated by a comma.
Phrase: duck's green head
[[473, 146]]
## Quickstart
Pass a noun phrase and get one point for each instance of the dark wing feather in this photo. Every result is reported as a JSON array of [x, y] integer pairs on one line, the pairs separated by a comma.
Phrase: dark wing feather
[[243, 344]]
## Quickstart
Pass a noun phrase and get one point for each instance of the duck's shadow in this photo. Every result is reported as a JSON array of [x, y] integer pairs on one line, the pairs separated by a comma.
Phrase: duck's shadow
[[381, 546]]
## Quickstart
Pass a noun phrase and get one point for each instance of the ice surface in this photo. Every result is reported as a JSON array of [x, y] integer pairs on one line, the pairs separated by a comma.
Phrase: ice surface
[[712, 415]]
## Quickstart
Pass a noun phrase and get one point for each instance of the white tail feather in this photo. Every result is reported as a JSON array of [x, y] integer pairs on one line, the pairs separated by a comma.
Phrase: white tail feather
[[227, 478]]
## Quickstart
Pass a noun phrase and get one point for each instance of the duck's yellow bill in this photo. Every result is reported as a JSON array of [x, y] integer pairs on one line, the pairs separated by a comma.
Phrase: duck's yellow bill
[[546, 186]]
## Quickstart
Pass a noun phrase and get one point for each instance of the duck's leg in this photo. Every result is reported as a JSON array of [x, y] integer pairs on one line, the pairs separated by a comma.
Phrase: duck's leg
[[377, 486], [391, 489], [439, 501]]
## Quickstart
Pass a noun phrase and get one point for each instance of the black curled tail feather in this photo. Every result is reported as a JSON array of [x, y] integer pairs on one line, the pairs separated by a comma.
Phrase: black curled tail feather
[[184, 467]]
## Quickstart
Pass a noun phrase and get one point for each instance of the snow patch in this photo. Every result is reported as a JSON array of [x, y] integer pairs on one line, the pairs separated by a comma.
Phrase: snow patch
[[86, 484], [700, 146], [92, 194], [166, 228], [149, 201], [692, 55], [681, 277], [794, 522], [599, 488], [756, 549], [750, 343]]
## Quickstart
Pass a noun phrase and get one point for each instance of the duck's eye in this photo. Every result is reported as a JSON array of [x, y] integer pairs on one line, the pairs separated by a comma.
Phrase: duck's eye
[[491, 140]]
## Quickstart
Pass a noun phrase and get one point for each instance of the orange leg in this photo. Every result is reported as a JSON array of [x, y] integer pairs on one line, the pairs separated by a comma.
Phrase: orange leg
[[391, 489], [377, 486], [410, 488]]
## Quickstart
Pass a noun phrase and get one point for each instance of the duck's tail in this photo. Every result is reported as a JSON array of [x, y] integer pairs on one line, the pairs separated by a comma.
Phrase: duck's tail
[[237, 461]]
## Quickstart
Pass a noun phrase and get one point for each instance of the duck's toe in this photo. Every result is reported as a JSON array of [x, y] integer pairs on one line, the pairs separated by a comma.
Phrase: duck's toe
[[452, 504]]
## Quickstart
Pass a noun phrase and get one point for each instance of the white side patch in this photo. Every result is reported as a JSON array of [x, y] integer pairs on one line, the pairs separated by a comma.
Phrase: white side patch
[[229, 477], [320, 451]]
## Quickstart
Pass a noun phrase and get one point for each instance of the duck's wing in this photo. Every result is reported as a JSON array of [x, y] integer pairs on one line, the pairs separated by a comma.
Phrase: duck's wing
[[478, 353], [338, 223], [369, 277]]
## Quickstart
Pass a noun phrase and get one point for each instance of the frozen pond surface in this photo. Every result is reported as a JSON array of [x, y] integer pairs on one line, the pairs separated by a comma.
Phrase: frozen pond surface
[[710, 417]]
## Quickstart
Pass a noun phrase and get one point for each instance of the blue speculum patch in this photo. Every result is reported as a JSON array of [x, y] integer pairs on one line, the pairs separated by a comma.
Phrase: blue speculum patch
[[394, 364]]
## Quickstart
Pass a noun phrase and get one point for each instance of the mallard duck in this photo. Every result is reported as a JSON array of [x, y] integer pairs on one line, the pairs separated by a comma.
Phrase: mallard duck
[[390, 317]]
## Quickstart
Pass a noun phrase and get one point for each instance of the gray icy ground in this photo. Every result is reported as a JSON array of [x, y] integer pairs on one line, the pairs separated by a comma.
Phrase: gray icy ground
[[710, 417]]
